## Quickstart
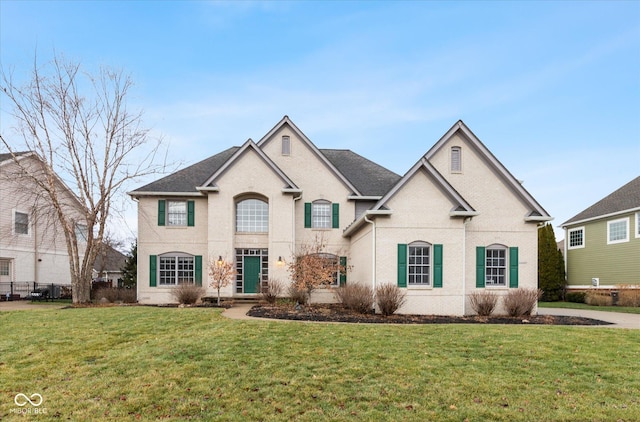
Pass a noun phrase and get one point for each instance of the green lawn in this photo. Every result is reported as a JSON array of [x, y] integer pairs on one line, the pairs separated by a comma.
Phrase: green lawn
[[150, 363], [571, 305]]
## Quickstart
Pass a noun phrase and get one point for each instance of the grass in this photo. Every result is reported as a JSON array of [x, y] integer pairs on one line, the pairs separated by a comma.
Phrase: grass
[[150, 363], [572, 305]]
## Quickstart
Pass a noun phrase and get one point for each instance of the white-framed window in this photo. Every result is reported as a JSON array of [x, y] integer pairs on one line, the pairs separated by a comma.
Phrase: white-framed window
[[638, 224], [5, 267], [576, 238], [20, 222], [496, 266], [81, 232], [618, 231], [174, 269], [419, 264], [456, 159], [252, 216], [286, 145], [321, 214], [177, 213]]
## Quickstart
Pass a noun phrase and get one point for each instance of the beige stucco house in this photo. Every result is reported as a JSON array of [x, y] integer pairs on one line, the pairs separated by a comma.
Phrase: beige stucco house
[[32, 243], [456, 222]]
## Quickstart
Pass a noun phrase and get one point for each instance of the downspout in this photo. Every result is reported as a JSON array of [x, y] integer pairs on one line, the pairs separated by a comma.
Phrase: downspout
[[464, 265], [35, 249], [293, 223], [373, 257]]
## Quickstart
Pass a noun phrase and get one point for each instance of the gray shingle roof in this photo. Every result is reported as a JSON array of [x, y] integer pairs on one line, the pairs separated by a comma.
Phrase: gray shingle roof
[[625, 198], [7, 156], [369, 178], [187, 179]]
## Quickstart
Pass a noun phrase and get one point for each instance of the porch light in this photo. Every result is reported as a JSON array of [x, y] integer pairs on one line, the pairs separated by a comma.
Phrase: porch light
[[220, 260], [280, 261]]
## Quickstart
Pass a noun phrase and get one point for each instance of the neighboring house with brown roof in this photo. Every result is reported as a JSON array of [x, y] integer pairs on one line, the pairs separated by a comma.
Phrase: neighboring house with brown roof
[[32, 243], [108, 266], [457, 222], [602, 243]]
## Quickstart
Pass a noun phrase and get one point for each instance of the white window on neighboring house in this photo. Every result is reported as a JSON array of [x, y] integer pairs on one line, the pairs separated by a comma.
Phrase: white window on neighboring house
[[618, 231], [5, 267], [176, 269], [456, 160], [576, 238], [286, 145], [638, 224], [81, 233], [20, 222]]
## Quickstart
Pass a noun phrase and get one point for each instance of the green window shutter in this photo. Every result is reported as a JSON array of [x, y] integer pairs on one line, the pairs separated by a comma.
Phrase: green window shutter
[[402, 265], [307, 215], [198, 272], [161, 211], [191, 213], [437, 265], [343, 270], [335, 216], [153, 270], [513, 267], [480, 271]]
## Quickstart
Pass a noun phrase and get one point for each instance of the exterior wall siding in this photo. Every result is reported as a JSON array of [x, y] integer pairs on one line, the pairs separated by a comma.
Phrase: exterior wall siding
[[613, 264], [41, 255]]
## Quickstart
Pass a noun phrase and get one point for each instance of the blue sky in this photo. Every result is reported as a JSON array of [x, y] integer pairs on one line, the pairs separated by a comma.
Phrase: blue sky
[[552, 88]]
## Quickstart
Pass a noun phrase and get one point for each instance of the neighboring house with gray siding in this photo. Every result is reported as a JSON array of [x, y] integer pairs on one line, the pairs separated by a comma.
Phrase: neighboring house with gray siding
[[602, 243], [458, 221]]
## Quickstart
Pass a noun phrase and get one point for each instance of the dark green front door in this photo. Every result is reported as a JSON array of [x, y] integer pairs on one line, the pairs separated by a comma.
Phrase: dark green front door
[[251, 271]]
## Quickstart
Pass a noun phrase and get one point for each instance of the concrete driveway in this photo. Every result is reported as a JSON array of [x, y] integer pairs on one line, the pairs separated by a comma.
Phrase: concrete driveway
[[619, 319]]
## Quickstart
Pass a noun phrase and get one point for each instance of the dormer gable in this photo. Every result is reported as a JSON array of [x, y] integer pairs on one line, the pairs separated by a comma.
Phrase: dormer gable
[[456, 163]]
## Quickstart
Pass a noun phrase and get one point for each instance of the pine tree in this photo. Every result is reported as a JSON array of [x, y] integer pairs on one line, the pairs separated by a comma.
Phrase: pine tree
[[550, 265], [130, 269]]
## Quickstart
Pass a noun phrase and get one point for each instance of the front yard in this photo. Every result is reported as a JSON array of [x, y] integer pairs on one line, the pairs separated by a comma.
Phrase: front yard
[[151, 363]]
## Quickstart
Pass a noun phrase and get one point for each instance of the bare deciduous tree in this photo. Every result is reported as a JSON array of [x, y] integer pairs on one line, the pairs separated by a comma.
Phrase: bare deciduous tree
[[312, 267], [221, 272], [86, 138]]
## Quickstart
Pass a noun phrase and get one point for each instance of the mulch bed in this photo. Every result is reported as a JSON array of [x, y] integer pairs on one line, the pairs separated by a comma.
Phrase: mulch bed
[[336, 313]]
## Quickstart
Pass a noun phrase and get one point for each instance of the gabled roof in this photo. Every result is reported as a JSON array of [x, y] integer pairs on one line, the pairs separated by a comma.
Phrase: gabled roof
[[186, 181], [369, 178], [249, 146], [109, 259], [286, 121], [536, 213], [8, 157], [625, 199], [461, 208]]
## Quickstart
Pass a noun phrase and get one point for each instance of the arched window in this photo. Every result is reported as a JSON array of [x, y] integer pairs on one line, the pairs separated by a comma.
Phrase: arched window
[[252, 216], [419, 268]]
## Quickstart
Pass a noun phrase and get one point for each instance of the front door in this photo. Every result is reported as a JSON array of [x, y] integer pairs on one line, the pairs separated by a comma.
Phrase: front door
[[251, 271]]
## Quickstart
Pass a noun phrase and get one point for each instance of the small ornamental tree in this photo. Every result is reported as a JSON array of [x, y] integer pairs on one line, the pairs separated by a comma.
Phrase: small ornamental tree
[[312, 267], [221, 273]]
